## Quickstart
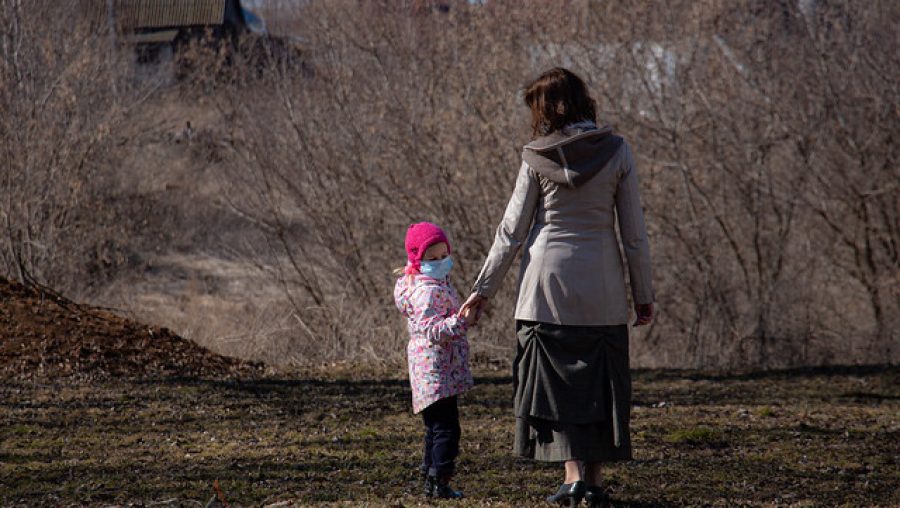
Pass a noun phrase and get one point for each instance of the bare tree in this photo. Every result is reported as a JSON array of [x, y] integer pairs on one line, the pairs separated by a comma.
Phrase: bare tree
[[412, 114], [64, 100], [765, 134]]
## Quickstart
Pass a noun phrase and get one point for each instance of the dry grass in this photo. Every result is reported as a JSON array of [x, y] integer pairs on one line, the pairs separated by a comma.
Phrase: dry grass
[[346, 438]]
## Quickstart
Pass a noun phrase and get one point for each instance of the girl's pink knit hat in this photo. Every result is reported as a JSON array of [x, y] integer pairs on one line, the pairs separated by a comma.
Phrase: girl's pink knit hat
[[419, 237]]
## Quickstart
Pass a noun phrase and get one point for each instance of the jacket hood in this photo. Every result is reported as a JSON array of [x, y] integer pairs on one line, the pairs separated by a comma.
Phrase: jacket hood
[[573, 155]]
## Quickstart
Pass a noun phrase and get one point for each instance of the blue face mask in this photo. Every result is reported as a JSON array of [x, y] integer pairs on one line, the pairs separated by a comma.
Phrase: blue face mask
[[438, 269]]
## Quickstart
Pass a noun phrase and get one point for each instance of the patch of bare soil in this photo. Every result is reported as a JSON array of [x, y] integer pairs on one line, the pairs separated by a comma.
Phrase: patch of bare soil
[[43, 335]]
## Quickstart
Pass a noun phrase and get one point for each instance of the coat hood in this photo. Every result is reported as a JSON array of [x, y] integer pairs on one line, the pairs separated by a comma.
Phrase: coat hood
[[573, 155]]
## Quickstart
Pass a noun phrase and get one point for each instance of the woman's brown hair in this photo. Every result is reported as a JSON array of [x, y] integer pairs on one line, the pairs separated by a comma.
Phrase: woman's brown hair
[[558, 98]]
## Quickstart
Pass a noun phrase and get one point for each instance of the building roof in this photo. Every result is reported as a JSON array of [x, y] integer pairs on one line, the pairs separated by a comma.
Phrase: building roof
[[137, 14]]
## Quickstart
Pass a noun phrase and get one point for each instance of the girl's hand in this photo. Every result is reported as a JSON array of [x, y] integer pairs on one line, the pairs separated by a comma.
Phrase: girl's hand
[[644, 313]]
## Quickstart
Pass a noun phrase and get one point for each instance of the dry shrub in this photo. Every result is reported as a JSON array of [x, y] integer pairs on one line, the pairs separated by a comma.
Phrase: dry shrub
[[67, 94], [765, 136], [769, 178]]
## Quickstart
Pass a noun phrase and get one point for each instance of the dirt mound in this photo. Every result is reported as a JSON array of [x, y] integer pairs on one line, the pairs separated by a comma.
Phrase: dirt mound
[[46, 336]]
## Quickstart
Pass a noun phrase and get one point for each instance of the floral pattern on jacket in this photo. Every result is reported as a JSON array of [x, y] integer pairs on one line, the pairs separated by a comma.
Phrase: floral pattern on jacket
[[438, 351]]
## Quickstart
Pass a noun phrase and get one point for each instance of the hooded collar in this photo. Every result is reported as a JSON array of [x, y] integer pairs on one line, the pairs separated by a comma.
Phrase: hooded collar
[[574, 154]]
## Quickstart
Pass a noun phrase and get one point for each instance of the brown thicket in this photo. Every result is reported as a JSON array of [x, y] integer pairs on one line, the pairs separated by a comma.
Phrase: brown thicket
[[67, 97], [765, 133]]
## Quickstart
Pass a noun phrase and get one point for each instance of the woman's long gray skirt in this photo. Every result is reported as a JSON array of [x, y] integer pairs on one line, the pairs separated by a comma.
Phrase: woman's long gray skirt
[[572, 392]]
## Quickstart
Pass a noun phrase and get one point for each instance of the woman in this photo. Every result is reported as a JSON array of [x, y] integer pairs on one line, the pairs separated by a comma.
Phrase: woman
[[572, 383]]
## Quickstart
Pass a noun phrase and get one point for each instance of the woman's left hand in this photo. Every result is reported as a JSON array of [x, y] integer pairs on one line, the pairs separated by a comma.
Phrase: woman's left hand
[[644, 313]]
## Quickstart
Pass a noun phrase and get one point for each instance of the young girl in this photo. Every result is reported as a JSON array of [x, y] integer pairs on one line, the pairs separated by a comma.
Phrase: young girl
[[438, 351]]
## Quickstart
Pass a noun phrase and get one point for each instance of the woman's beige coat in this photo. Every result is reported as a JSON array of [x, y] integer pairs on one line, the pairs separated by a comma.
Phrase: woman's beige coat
[[572, 187]]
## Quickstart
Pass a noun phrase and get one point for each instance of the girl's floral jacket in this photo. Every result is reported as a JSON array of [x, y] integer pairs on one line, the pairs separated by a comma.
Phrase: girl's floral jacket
[[438, 351]]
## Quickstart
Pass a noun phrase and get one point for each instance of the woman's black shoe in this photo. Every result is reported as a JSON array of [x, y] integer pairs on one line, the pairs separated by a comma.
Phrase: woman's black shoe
[[596, 497], [568, 495], [442, 489]]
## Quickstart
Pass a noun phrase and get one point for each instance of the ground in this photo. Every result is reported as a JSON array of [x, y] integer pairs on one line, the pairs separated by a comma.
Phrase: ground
[[822, 437]]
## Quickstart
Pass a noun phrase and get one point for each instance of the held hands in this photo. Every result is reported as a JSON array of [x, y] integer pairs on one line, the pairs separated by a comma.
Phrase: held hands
[[644, 313], [470, 311]]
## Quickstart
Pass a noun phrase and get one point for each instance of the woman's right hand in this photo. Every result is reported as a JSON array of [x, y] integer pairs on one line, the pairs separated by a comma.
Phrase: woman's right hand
[[471, 309]]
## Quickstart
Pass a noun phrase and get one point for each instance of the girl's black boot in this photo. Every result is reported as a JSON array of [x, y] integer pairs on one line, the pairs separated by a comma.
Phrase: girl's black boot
[[428, 485], [568, 495], [442, 489]]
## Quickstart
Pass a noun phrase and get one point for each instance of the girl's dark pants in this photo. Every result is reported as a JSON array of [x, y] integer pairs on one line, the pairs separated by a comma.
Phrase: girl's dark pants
[[441, 437]]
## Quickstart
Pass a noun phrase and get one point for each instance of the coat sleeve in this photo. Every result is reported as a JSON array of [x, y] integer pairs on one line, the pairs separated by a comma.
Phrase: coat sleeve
[[511, 233], [633, 231], [432, 316]]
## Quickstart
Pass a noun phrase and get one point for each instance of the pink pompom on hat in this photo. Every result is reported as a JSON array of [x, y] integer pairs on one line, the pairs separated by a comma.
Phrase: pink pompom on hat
[[419, 237]]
